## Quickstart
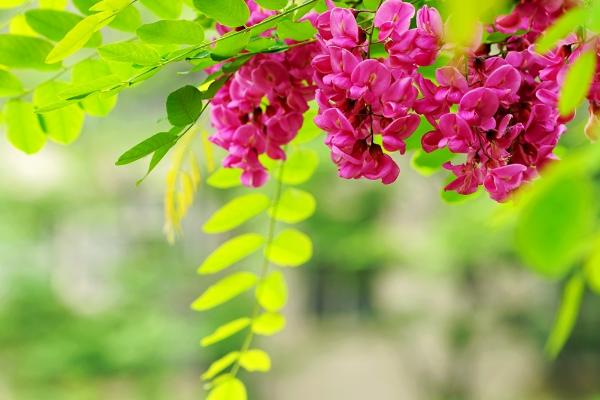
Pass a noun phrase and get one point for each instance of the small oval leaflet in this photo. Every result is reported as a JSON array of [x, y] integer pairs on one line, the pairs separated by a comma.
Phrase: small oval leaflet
[[255, 360], [294, 206], [231, 252], [171, 32], [225, 290], [267, 324], [230, 389], [271, 292], [225, 331], [184, 106], [236, 212], [219, 365], [290, 248]]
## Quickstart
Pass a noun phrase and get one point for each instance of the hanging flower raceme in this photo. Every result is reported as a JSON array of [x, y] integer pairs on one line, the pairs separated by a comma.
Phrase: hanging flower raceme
[[365, 104], [506, 122], [259, 110]]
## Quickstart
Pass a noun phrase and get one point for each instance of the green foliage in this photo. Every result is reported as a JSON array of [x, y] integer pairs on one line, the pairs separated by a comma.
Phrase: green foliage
[[567, 315], [225, 290], [567, 23], [63, 125], [221, 364], [592, 267], [299, 167], [231, 252], [10, 85], [236, 212], [272, 4], [290, 248], [90, 70], [147, 146], [429, 163], [230, 389], [294, 206], [268, 324], [225, 178], [25, 52], [298, 31], [55, 24], [184, 106], [577, 82], [22, 126], [164, 8], [227, 12], [130, 52], [255, 360], [225, 331], [271, 292], [171, 32]]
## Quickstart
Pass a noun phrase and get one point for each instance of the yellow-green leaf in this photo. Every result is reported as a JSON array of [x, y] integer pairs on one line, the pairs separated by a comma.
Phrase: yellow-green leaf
[[225, 178], [218, 366], [77, 37], [230, 389], [6, 4], [255, 360], [19, 51], [231, 252], [10, 85], [272, 4], [567, 23], [592, 267], [130, 52], [164, 8], [89, 71], [64, 125], [236, 212], [567, 315], [271, 292], [577, 82], [290, 248], [294, 206], [171, 32], [22, 126], [227, 12], [299, 167], [268, 324], [225, 290], [225, 331]]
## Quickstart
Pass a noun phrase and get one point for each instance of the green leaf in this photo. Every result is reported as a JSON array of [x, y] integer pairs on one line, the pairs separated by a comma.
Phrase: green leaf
[[10, 85], [56, 4], [172, 32], [231, 252], [89, 71], [227, 12], [219, 365], [22, 126], [290, 248], [130, 52], [309, 130], [236, 212], [127, 20], [255, 360], [225, 178], [567, 23], [7, 4], [84, 5], [566, 316], [146, 147], [592, 267], [55, 24], [230, 389], [230, 45], [63, 125], [170, 9], [224, 331], [17, 51], [82, 90], [554, 223], [299, 167], [294, 206], [429, 163], [225, 290], [577, 82], [272, 4], [77, 37], [298, 31], [184, 106], [268, 324], [157, 156], [272, 292]]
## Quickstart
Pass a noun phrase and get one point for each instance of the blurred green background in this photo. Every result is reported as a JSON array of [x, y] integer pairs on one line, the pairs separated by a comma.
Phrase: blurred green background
[[407, 297]]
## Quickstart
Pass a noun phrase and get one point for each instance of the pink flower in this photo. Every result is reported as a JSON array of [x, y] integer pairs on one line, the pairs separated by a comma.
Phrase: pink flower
[[370, 78], [399, 130], [393, 17], [502, 181], [344, 29], [478, 107]]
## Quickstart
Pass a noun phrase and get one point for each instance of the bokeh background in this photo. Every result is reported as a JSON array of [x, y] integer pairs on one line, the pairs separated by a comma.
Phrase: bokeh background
[[406, 297]]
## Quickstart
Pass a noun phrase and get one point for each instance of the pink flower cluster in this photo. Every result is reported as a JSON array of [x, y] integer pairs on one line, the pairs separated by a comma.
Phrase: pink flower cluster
[[260, 108], [506, 122], [365, 103]]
